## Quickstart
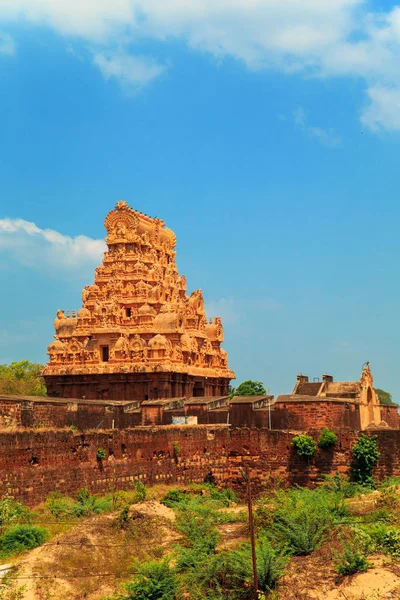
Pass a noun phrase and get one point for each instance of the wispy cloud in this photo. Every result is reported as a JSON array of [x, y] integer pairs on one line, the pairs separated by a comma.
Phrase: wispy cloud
[[383, 110], [132, 72], [7, 44], [342, 38], [323, 136], [224, 308], [46, 249]]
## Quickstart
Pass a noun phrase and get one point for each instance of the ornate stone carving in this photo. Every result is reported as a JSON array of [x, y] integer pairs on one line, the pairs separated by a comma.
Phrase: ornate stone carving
[[136, 316]]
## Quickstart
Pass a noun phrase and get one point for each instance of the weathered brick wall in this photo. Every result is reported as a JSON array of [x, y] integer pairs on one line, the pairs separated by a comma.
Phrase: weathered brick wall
[[390, 414], [306, 415], [34, 463], [54, 414]]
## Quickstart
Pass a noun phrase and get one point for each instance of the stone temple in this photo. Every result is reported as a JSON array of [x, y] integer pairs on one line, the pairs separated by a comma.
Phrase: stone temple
[[138, 335]]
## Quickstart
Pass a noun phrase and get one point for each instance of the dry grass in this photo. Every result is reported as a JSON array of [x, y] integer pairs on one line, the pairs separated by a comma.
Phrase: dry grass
[[94, 546]]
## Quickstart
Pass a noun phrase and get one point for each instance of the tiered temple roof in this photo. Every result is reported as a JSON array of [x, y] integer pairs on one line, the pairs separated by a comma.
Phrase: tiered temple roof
[[137, 316]]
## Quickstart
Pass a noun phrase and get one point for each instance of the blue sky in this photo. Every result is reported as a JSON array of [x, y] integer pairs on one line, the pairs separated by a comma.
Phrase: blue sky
[[265, 134]]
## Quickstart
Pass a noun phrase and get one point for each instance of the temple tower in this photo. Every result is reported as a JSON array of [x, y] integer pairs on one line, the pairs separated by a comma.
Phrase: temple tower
[[138, 335]]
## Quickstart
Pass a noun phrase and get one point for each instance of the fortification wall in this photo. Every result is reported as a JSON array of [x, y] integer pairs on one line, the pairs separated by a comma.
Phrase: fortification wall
[[34, 463], [294, 415]]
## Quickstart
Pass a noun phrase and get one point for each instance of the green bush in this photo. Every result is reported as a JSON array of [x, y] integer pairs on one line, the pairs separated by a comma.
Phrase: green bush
[[59, 505], [11, 511], [82, 495], [270, 564], [365, 456], [174, 498], [342, 485], [122, 521], [352, 560], [101, 453], [197, 525], [154, 581], [140, 493], [303, 517], [327, 439], [386, 539], [219, 576], [22, 537], [304, 445]]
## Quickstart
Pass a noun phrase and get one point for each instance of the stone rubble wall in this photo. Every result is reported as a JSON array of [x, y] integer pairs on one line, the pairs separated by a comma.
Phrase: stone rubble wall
[[35, 463]]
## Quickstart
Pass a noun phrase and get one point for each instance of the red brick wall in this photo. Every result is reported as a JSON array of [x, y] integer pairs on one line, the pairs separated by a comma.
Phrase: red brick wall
[[390, 414], [34, 463], [301, 416], [53, 414]]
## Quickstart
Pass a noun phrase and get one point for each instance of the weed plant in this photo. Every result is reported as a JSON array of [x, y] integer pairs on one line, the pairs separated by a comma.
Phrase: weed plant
[[343, 485], [365, 456], [140, 494], [327, 439], [304, 445], [303, 517], [353, 558], [386, 539]]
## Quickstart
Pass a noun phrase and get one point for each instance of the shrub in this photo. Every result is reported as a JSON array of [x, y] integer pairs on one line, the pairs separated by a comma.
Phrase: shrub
[[154, 581], [386, 539], [304, 445], [59, 505], [220, 576], [327, 439], [173, 498], [304, 516], [11, 511], [140, 493], [176, 449], [101, 453], [352, 560], [303, 532], [122, 521], [342, 485], [270, 564], [82, 495], [23, 537], [198, 528], [365, 456]]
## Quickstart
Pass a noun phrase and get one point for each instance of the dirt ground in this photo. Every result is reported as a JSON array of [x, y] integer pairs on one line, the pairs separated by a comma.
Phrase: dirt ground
[[63, 568]]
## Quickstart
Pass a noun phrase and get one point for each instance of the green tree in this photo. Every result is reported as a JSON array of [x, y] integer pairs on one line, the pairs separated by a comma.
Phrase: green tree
[[250, 388], [22, 378], [385, 397]]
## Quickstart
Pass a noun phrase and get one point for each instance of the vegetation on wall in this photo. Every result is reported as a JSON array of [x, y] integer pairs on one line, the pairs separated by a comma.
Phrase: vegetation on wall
[[327, 439], [365, 456], [22, 378], [304, 445]]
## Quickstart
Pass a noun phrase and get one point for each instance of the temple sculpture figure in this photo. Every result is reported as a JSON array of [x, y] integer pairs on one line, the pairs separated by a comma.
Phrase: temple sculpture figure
[[138, 334]]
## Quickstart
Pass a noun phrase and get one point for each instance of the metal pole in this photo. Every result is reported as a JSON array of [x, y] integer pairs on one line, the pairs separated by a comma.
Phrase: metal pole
[[246, 477]]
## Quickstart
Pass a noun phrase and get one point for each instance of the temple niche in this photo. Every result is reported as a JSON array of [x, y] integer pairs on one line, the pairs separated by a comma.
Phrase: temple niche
[[139, 335]]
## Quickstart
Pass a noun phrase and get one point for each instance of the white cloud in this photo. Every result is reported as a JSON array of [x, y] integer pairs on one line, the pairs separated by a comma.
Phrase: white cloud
[[7, 44], [133, 72], [383, 111], [323, 136], [314, 37], [45, 249]]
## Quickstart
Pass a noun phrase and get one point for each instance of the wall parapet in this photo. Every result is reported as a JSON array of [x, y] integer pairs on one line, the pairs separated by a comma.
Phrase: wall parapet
[[35, 463]]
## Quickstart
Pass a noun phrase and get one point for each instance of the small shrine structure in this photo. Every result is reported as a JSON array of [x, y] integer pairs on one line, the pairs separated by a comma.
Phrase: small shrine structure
[[138, 335]]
